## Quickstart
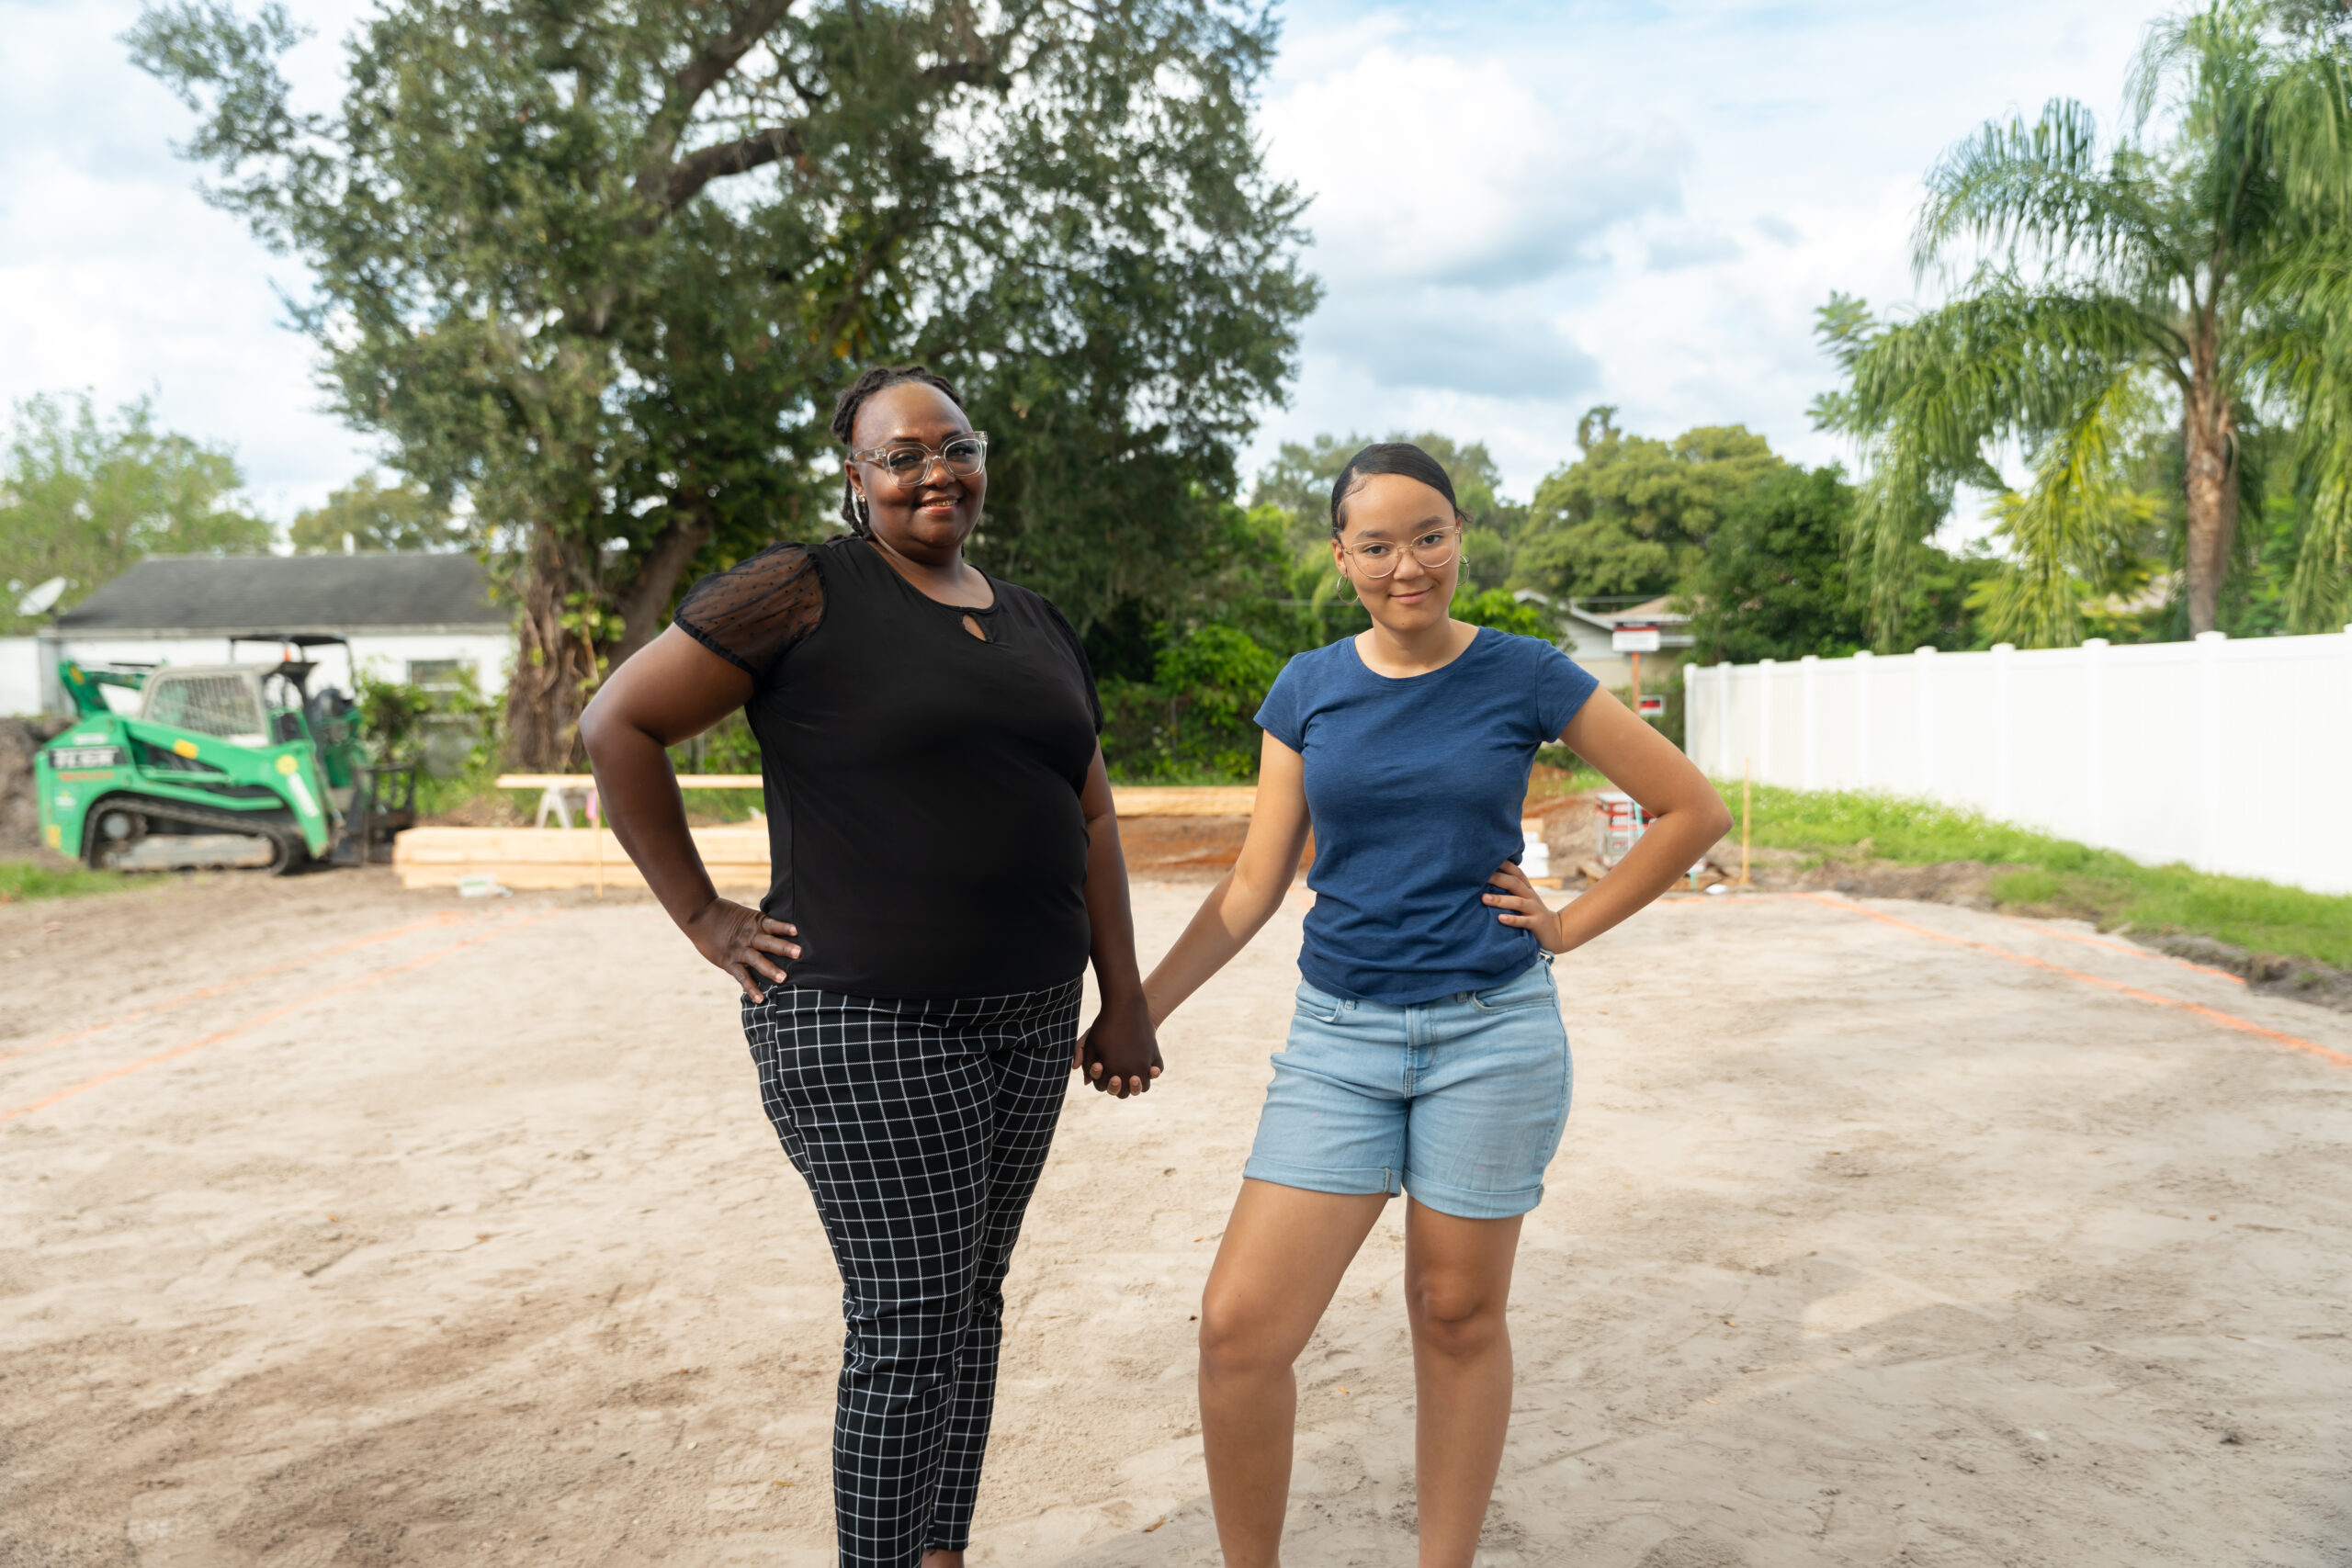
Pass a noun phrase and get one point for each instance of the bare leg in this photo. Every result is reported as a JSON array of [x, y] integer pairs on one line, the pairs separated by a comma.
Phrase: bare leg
[[1457, 1282], [935, 1558], [1283, 1254]]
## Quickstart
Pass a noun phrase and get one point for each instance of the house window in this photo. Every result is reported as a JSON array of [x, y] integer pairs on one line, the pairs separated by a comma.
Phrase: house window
[[437, 674]]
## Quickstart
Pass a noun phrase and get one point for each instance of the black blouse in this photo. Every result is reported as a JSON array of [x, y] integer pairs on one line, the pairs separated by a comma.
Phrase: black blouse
[[923, 825]]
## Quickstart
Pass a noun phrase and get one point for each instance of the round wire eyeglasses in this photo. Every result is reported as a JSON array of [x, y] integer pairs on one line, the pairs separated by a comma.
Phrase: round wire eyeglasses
[[1379, 558]]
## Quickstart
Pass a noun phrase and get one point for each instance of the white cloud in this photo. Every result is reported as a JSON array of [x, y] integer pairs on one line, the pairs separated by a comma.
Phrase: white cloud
[[1457, 338], [117, 277], [1426, 169], [1675, 246], [1693, 178]]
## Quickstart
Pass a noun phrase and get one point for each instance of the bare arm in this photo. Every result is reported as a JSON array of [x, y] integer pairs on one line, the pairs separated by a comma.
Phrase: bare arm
[[1250, 894], [672, 689], [1688, 817], [1120, 1041]]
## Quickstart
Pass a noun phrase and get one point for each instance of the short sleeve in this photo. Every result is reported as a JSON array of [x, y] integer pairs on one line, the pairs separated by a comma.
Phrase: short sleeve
[[1560, 687], [1078, 651], [1283, 714], [752, 614]]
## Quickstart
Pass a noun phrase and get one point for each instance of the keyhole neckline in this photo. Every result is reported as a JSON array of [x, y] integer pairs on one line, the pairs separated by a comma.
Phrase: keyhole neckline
[[996, 595], [972, 620]]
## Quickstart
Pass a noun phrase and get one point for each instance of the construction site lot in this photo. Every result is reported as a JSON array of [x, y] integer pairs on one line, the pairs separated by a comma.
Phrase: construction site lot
[[341, 1225]]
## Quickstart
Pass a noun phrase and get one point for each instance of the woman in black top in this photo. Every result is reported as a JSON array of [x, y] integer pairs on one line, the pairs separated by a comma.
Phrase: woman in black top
[[945, 861]]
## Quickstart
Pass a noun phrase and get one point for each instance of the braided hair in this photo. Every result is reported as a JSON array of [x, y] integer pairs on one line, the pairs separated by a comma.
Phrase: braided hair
[[846, 420]]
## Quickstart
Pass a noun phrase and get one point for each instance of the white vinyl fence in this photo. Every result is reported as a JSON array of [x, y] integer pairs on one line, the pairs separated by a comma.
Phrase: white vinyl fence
[[2234, 756]]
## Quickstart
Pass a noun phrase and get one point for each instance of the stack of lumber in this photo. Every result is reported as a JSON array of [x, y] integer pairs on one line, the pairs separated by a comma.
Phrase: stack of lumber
[[532, 858], [558, 857]]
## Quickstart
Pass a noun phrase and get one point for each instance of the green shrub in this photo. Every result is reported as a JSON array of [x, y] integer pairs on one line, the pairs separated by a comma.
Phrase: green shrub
[[452, 730], [1195, 722], [1498, 609]]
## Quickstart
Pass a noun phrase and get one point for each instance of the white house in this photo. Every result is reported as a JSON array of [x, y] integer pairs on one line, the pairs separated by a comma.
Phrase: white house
[[1589, 633], [417, 617]]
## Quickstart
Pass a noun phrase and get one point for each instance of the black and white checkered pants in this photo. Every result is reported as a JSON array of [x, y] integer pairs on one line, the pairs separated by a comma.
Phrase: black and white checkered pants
[[921, 1128]]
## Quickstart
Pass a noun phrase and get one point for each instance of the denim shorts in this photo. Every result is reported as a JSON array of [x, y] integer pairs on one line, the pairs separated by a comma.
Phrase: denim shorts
[[1460, 1101]]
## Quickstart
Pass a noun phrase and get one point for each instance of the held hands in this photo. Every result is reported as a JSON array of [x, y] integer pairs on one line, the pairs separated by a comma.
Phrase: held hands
[[1119, 1053], [741, 940], [1516, 904]]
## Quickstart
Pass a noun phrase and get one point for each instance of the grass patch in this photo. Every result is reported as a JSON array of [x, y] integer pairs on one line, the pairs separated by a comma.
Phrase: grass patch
[[1559, 771], [21, 880], [2054, 876]]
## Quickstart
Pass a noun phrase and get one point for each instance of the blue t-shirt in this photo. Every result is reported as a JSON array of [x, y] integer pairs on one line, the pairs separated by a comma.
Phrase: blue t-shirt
[[1415, 786]]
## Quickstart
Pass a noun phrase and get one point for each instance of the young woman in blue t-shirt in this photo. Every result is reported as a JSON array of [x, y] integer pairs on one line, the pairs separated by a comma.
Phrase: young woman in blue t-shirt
[[1427, 1053]]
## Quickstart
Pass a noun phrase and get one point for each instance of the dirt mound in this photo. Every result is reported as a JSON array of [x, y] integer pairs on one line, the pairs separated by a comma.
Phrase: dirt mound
[[1571, 825], [1160, 844], [2272, 974], [1572, 828], [1180, 846], [1961, 882], [19, 806]]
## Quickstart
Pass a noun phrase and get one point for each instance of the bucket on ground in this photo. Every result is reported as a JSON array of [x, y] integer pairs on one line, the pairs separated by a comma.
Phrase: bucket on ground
[[1623, 823]]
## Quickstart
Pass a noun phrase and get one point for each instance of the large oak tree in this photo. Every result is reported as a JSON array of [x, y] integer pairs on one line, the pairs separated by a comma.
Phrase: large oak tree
[[594, 269]]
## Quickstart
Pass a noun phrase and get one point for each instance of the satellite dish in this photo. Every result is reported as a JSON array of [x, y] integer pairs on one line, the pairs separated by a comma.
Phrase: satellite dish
[[38, 600]]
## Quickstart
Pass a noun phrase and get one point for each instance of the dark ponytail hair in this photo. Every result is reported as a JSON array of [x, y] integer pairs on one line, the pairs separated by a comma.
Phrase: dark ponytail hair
[[1400, 458], [853, 398]]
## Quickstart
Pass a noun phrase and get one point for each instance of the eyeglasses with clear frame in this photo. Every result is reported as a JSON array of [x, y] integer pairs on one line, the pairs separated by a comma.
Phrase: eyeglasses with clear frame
[[908, 463], [1431, 546]]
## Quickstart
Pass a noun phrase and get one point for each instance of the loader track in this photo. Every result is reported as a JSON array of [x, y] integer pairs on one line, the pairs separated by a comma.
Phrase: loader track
[[291, 853]]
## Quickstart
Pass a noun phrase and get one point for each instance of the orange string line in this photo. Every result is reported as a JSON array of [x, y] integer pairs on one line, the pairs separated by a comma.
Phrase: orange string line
[[2214, 1015], [2129, 950]]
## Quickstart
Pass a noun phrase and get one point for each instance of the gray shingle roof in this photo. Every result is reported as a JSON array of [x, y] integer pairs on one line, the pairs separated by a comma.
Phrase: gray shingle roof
[[231, 595]]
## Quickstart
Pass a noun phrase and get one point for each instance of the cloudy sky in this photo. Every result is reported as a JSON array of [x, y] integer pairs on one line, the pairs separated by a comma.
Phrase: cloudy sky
[[1521, 208]]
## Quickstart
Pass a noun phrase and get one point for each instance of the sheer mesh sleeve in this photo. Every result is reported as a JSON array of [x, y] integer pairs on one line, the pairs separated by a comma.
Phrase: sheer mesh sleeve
[[752, 614]]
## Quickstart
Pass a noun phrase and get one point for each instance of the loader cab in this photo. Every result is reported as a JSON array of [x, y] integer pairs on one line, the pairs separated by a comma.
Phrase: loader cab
[[302, 706], [225, 700], [255, 706]]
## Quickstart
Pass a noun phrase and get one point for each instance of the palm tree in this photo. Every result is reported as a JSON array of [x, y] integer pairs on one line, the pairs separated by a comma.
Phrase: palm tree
[[2194, 276]]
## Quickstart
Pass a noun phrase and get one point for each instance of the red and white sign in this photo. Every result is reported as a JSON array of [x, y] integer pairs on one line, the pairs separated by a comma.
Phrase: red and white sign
[[1651, 707], [1633, 639]]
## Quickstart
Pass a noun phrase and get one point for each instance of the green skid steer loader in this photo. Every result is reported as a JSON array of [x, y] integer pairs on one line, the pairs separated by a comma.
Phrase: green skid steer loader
[[225, 766]]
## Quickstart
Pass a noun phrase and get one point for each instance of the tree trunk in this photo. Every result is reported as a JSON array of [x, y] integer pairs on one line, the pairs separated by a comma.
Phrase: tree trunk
[[647, 594], [553, 664], [2209, 442]]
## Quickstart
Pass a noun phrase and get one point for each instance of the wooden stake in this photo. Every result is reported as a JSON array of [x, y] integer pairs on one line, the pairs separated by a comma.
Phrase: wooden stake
[[1746, 768], [596, 827]]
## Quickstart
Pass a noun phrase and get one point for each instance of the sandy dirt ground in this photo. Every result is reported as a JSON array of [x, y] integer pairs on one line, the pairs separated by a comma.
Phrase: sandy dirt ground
[[363, 1228]]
